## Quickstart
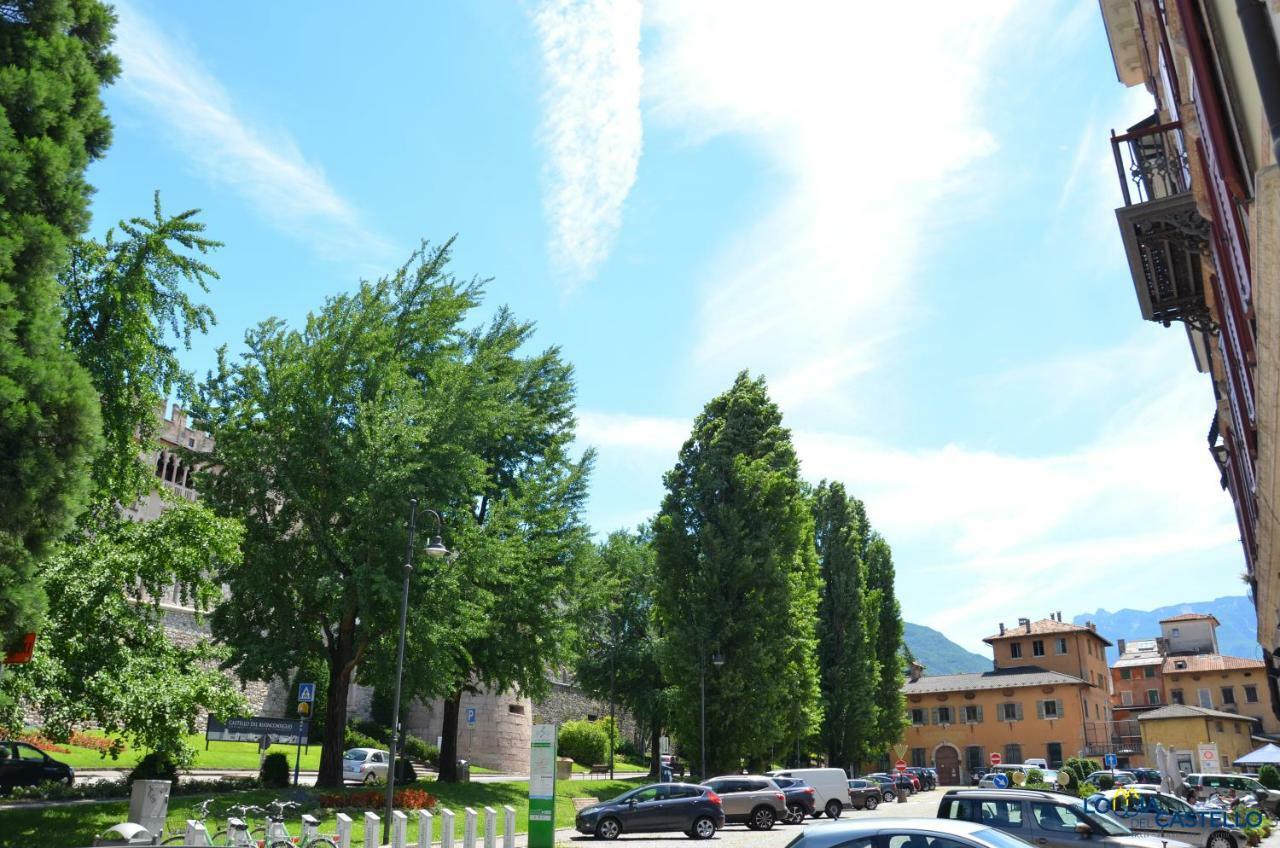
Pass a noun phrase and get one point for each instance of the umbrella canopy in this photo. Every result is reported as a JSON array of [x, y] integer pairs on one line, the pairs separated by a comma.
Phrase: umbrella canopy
[[1268, 754]]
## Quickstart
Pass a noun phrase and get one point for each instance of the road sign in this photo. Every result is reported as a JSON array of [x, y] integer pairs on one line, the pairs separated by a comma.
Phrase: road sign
[[304, 708], [995, 758], [1110, 761], [280, 730], [1001, 781], [471, 716], [900, 765], [1208, 755], [306, 692], [900, 750]]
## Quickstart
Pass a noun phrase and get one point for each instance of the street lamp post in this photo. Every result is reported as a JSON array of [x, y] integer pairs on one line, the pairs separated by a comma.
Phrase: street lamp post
[[435, 549], [717, 661], [613, 660]]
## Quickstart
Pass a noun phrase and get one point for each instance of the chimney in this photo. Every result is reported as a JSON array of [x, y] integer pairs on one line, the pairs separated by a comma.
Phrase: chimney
[[1059, 616], [1120, 646], [1092, 626], [915, 672], [1002, 628], [1025, 623]]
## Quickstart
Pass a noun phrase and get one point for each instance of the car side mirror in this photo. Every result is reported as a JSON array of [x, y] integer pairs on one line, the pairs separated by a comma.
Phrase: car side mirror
[[1083, 829]]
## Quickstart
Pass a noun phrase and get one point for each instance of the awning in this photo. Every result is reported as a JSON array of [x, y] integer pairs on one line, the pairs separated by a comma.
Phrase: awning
[[1266, 755]]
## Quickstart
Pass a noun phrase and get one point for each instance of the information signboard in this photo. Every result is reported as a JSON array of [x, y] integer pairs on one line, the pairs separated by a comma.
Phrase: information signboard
[[278, 730], [542, 787]]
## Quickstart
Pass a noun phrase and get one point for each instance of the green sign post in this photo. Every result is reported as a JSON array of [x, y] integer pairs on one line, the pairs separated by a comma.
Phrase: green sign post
[[542, 787]]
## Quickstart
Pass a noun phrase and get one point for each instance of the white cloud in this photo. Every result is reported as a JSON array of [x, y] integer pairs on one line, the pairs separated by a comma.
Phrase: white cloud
[[871, 116], [592, 126], [197, 113], [980, 533]]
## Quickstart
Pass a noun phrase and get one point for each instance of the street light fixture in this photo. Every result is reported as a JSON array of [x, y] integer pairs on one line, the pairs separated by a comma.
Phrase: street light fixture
[[435, 549]]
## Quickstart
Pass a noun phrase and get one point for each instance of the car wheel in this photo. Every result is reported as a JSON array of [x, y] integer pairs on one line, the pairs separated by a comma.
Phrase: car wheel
[[1220, 839], [608, 828], [871, 803], [703, 828], [889, 796], [762, 818], [795, 814], [833, 809]]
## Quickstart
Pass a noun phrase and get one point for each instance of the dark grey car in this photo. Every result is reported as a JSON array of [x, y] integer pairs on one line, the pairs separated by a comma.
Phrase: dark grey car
[[656, 808], [26, 765]]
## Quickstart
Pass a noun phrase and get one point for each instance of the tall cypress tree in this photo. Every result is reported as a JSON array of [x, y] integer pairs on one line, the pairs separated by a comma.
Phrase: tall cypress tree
[[737, 577], [846, 657], [53, 60], [890, 707]]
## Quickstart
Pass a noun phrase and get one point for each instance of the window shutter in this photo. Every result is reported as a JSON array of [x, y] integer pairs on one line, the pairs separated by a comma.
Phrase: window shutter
[[1039, 709], [1059, 706], [933, 715], [979, 716]]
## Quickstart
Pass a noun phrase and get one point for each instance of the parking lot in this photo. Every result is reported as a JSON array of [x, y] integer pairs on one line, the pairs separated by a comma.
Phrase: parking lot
[[920, 805]]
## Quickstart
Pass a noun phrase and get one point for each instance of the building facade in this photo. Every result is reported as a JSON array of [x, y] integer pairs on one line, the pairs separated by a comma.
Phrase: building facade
[[1200, 223], [1183, 728], [1045, 697]]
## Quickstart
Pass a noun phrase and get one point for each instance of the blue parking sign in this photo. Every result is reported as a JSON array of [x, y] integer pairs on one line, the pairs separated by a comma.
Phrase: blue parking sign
[[471, 716], [1110, 761], [306, 692]]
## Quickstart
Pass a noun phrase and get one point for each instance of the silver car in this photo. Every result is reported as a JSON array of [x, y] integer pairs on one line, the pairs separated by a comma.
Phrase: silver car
[[903, 833], [1145, 810], [1044, 818], [365, 765]]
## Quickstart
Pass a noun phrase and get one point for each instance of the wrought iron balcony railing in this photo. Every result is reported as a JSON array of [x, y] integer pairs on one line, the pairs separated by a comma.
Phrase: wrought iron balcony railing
[[1164, 235]]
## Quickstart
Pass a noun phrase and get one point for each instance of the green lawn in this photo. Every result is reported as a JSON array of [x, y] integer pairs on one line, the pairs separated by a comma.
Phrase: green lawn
[[67, 826], [619, 764], [221, 755]]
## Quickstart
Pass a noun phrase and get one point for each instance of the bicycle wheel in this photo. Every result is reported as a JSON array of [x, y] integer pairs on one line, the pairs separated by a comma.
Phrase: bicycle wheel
[[322, 842], [180, 839]]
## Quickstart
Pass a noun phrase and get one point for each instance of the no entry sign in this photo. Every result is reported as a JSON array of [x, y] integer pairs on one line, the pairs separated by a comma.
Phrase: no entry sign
[[900, 765], [995, 758]]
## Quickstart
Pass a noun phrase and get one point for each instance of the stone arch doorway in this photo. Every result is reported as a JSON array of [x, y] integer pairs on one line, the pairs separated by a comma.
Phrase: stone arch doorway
[[946, 761]]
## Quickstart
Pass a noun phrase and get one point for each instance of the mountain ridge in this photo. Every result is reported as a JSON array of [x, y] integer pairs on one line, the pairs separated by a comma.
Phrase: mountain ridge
[[1237, 633], [938, 654]]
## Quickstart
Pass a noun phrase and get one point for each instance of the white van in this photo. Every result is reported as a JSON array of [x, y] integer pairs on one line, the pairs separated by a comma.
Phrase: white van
[[830, 788], [1041, 764]]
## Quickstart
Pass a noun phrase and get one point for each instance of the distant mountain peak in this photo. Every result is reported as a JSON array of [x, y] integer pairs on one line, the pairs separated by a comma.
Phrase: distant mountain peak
[[938, 654], [1237, 635]]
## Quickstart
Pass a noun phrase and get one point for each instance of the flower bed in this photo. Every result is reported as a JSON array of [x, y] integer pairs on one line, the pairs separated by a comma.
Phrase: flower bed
[[372, 799]]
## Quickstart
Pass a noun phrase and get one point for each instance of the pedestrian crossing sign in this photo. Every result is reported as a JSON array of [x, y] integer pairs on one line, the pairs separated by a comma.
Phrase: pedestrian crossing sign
[[306, 692]]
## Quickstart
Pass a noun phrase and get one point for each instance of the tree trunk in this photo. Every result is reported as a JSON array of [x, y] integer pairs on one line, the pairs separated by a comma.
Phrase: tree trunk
[[335, 723], [449, 739], [655, 749]]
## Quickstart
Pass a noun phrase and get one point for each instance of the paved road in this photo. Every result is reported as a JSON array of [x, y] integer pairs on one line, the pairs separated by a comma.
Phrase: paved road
[[921, 805]]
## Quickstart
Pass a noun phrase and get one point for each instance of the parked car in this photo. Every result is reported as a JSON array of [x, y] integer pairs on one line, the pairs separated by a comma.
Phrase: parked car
[[895, 832], [752, 799], [928, 779], [657, 808], [830, 787], [1118, 778], [988, 780], [365, 765], [1206, 785], [1044, 818], [977, 774], [1147, 776], [1144, 810], [900, 780], [22, 764], [865, 794], [800, 798], [885, 783]]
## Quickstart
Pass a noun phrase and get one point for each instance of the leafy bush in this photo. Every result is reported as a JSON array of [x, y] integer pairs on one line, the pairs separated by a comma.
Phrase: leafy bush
[[1079, 768], [374, 730], [628, 749], [50, 791], [417, 749], [1035, 775], [1106, 781], [355, 739], [585, 742], [275, 771], [1269, 777], [155, 766]]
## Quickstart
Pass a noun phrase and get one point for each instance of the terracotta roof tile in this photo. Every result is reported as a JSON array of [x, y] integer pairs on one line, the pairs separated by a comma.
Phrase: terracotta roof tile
[[1011, 678], [1209, 662], [1043, 627]]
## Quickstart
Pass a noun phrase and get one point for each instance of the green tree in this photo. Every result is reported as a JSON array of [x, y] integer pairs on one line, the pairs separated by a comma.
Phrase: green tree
[[54, 59], [737, 576], [322, 436], [846, 656], [891, 718], [618, 651]]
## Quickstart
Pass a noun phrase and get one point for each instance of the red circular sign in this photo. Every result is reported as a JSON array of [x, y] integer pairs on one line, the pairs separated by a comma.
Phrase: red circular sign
[[995, 758], [901, 765]]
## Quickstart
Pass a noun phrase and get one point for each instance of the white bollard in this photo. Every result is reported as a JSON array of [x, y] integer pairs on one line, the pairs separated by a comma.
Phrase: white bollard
[[344, 830], [508, 826], [446, 828], [372, 833], [469, 830], [425, 827], [196, 834], [490, 827], [399, 829]]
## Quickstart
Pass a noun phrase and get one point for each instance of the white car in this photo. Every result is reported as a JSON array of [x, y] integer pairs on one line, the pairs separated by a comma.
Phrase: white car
[[365, 765], [1145, 810], [830, 788], [988, 780]]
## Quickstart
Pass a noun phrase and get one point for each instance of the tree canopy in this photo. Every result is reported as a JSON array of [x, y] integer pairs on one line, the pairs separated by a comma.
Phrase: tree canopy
[[54, 59]]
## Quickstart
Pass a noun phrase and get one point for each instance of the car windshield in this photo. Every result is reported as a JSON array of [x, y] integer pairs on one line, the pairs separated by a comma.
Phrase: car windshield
[[354, 755], [999, 838]]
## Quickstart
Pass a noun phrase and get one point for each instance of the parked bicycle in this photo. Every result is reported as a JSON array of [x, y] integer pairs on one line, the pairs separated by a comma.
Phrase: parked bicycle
[[278, 835], [237, 833]]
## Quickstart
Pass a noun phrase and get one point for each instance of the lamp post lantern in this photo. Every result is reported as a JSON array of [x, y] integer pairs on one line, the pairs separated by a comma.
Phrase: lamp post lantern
[[434, 549]]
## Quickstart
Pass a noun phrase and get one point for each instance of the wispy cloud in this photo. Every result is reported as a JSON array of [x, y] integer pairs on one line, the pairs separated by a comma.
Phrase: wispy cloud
[[980, 533], [268, 170], [867, 139], [592, 126]]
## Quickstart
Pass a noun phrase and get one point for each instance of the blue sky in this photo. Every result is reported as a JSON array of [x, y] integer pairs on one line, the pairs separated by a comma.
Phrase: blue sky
[[901, 216]]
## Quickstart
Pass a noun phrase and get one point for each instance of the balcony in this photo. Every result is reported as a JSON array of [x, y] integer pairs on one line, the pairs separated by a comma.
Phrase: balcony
[[1164, 235]]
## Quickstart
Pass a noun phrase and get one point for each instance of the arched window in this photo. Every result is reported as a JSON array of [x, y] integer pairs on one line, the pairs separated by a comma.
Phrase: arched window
[[169, 468], [160, 464]]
